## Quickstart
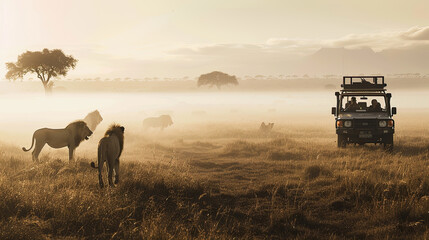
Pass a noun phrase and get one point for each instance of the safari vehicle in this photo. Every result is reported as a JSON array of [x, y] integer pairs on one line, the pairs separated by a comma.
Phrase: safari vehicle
[[363, 113]]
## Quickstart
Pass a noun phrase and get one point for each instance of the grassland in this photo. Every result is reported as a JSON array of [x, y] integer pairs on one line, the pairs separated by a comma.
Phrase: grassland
[[224, 182]]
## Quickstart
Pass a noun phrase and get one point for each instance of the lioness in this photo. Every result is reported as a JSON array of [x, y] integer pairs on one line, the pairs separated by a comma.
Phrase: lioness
[[266, 127], [93, 119], [70, 137], [162, 122], [109, 150]]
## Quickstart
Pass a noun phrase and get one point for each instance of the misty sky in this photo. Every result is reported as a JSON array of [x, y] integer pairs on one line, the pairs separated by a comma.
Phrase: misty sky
[[177, 38]]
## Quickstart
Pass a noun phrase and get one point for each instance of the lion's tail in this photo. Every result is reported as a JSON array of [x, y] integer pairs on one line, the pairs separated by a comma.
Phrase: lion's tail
[[99, 156], [93, 165], [32, 143]]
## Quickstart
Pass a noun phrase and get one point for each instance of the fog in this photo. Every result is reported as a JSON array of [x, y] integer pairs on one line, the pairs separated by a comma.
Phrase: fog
[[24, 112], [27, 111]]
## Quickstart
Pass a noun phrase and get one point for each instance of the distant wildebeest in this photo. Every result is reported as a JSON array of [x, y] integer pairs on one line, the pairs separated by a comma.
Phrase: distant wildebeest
[[161, 122], [266, 127], [70, 137], [109, 150], [93, 119]]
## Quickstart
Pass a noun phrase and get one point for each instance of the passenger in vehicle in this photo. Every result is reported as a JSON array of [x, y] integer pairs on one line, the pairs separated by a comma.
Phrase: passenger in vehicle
[[353, 106], [347, 104], [375, 106]]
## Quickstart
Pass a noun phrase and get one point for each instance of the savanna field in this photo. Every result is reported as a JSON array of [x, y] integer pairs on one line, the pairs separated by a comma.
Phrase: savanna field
[[223, 181], [213, 174]]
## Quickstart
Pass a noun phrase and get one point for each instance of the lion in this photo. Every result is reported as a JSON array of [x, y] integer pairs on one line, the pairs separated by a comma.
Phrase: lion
[[93, 119], [70, 137], [161, 122], [109, 150], [266, 127]]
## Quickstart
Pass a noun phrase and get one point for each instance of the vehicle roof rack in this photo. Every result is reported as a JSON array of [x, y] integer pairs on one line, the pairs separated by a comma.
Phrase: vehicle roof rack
[[363, 83]]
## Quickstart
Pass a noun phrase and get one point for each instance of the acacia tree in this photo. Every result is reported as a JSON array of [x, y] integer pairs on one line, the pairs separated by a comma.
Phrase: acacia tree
[[46, 64], [217, 79]]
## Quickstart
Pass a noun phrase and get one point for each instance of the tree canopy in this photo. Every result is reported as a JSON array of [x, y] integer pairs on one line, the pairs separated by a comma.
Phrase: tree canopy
[[46, 64], [217, 79]]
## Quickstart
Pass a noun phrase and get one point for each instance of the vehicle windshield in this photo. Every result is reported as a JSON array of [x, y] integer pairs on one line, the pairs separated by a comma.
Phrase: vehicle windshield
[[360, 103]]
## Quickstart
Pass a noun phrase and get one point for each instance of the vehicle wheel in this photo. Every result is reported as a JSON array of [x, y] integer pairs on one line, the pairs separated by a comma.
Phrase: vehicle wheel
[[388, 143], [341, 141]]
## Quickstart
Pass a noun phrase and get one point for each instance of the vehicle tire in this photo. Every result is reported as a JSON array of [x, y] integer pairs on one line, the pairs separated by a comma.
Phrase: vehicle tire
[[388, 143], [341, 141]]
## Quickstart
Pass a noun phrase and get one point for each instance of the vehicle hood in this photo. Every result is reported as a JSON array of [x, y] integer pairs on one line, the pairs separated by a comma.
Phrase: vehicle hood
[[371, 115]]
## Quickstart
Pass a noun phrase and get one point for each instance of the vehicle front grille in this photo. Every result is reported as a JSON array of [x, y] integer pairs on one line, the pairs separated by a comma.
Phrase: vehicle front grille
[[365, 123]]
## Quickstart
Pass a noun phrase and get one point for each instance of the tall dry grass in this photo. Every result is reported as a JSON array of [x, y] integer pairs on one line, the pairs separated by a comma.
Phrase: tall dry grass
[[223, 184]]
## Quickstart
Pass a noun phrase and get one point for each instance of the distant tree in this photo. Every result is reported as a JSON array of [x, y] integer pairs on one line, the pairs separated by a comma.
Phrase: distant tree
[[216, 79], [46, 64]]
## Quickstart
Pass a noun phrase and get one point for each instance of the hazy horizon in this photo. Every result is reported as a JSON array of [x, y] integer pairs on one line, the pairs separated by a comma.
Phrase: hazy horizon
[[171, 39]]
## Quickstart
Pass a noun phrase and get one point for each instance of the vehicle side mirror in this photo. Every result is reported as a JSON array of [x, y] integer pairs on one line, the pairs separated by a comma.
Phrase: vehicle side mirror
[[334, 110], [393, 110]]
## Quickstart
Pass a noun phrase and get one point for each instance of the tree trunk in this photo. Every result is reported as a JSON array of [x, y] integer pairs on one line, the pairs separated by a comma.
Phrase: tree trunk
[[48, 88]]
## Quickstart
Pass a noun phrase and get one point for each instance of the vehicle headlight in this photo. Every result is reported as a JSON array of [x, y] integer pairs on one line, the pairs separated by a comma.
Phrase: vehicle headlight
[[382, 123], [347, 123]]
